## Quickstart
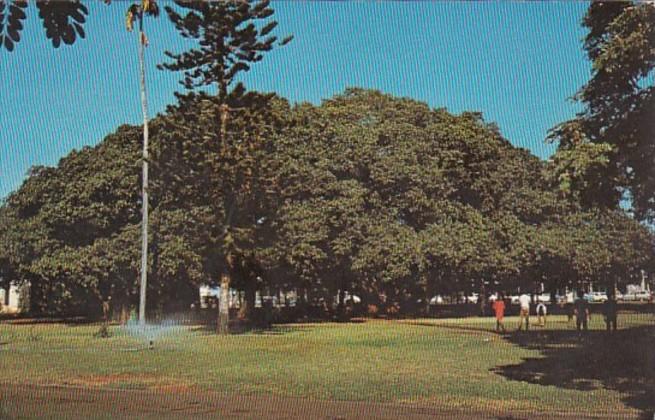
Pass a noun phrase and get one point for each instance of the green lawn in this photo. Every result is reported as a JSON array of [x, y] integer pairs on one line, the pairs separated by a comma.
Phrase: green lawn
[[459, 363]]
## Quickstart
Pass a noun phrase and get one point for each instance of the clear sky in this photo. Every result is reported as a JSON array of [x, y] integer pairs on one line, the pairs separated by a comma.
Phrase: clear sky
[[516, 62]]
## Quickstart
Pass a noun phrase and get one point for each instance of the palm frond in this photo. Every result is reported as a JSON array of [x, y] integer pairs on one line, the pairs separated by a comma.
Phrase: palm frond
[[130, 17]]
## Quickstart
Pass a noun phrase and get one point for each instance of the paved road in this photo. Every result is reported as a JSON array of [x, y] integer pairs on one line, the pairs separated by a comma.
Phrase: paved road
[[29, 401]]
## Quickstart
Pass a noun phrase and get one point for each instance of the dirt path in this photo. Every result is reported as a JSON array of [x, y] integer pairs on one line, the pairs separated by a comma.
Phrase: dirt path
[[30, 401]]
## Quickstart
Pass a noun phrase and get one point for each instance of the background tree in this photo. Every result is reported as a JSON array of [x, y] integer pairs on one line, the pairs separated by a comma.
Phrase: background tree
[[72, 233], [407, 199], [618, 103], [231, 35], [234, 190]]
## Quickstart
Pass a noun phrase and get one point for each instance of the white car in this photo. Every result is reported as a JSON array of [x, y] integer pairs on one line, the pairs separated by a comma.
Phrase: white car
[[566, 298], [514, 300], [354, 298], [642, 296], [543, 298], [437, 300], [596, 297]]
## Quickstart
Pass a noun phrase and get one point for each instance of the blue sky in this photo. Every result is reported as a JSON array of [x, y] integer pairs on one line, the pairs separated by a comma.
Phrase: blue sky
[[516, 62]]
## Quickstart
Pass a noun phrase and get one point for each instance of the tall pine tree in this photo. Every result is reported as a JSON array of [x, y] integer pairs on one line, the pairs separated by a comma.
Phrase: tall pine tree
[[231, 36]]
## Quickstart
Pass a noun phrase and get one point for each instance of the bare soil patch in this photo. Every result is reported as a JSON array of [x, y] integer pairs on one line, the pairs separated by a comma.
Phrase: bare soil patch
[[75, 402]]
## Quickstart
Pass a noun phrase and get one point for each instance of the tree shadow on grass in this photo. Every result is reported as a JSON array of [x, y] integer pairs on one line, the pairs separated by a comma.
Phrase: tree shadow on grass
[[17, 319], [236, 329], [622, 361], [466, 329]]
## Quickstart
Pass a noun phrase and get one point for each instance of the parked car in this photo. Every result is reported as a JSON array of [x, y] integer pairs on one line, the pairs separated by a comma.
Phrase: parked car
[[544, 298], [627, 297], [437, 300], [354, 298], [641, 296], [566, 298], [596, 297]]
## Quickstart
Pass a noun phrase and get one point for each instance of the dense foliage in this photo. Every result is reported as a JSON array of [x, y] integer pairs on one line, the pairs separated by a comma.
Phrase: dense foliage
[[370, 194], [606, 153]]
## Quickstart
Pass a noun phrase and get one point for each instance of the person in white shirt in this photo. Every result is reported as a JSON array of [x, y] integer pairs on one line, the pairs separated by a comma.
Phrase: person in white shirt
[[524, 313], [541, 314]]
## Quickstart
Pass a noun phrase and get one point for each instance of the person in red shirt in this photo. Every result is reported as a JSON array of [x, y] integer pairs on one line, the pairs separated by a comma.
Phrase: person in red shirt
[[499, 308]]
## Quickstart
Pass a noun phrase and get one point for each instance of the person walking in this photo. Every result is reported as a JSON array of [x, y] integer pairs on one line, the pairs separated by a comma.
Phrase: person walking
[[581, 311], [541, 314], [499, 309], [524, 312], [569, 299], [610, 312]]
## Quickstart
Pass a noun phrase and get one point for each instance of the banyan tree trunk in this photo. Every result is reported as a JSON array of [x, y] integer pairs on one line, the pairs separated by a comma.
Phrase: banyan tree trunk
[[247, 309], [224, 304], [341, 305]]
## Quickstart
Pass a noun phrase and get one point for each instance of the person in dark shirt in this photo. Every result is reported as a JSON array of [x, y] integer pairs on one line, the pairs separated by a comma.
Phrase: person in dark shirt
[[610, 311], [581, 311]]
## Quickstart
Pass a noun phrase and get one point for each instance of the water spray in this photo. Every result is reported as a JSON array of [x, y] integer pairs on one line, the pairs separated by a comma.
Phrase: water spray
[[148, 333]]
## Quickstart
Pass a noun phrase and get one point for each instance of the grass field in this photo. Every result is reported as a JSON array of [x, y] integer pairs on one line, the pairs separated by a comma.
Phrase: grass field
[[454, 363]]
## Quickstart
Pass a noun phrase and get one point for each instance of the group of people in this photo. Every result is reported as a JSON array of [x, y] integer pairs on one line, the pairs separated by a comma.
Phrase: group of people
[[580, 310], [524, 312]]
